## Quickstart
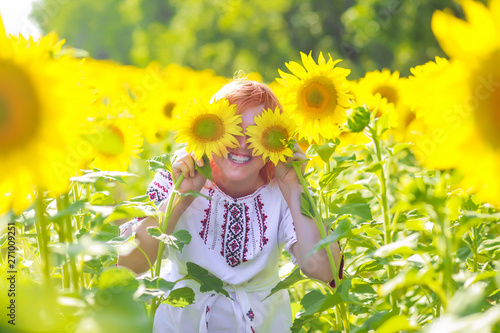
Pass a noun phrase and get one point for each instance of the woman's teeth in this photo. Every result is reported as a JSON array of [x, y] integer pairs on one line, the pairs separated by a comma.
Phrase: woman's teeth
[[240, 159]]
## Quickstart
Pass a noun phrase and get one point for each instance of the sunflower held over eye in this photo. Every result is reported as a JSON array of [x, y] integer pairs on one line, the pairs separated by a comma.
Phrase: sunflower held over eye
[[209, 128], [316, 95], [271, 136]]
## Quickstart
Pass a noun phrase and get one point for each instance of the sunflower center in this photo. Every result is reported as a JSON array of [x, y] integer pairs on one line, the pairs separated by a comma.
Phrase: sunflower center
[[318, 98], [387, 92], [168, 109], [208, 127], [274, 138], [19, 107], [112, 143]]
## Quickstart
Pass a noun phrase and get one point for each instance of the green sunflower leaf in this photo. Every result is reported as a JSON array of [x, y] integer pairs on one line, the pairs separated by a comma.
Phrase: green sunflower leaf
[[342, 230], [177, 240], [291, 280], [161, 162], [207, 281], [206, 169], [324, 151], [180, 297], [305, 206]]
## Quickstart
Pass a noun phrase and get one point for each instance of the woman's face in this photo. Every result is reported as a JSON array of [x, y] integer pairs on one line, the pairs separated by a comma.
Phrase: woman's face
[[240, 167]]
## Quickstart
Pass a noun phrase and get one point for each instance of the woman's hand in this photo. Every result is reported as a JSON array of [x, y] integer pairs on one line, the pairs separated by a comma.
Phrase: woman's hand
[[285, 175], [185, 165]]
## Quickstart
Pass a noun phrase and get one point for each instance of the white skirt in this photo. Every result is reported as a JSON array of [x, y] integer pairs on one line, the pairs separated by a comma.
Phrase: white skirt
[[246, 313]]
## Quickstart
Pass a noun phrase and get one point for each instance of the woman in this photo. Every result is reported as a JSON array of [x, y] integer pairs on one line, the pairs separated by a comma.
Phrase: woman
[[238, 235]]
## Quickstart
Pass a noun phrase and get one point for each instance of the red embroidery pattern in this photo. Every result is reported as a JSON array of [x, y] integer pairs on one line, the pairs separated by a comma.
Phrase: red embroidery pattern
[[157, 191], [234, 238], [165, 174], [223, 233], [206, 314], [250, 314], [206, 221], [247, 229], [262, 221]]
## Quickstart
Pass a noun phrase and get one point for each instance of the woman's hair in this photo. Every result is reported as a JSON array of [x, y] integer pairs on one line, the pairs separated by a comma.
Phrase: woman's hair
[[247, 94]]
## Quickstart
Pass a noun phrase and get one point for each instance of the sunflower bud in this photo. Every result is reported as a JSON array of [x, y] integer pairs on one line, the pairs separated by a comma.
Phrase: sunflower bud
[[358, 119]]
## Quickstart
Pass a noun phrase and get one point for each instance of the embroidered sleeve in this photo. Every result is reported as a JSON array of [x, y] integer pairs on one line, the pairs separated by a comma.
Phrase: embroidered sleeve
[[159, 189], [286, 231]]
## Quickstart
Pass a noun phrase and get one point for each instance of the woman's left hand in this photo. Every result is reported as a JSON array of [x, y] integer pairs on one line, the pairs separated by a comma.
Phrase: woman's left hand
[[285, 175]]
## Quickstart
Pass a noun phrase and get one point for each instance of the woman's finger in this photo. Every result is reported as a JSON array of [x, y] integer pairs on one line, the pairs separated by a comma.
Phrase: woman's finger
[[199, 162], [188, 160], [184, 169]]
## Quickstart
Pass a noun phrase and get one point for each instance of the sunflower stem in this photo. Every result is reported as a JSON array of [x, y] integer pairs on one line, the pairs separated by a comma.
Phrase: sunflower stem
[[385, 208], [319, 223], [62, 238], [69, 240], [344, 313], [328, 169], [161, 246], [42, 237]]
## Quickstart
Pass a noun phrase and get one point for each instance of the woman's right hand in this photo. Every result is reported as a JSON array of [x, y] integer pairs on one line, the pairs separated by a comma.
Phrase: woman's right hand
[[185, 165]]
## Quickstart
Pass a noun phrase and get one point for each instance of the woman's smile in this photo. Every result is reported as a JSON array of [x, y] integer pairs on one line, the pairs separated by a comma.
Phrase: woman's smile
[[239, 159]]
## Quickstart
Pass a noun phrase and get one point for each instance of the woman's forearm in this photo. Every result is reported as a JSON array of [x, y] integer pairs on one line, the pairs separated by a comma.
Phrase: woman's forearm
[[316, 265], [136, 260]]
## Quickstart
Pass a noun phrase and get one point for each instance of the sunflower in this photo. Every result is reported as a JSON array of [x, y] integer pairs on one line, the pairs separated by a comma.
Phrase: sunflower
[[40, 99], [161, 94], [209, 128], [382, 90], [436, 92], [483, 143], [114, 141], [316, 95], [456, 102], [271, 135], [469, 40], [157, 109]]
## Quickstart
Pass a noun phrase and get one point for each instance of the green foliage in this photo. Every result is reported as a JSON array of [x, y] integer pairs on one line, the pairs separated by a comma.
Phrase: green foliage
[[232, 35], [358, 118], [177, 240], [180, 297], [207, 281], [206, 169]]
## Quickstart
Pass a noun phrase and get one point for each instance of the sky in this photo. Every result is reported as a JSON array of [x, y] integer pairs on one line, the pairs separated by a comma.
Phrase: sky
[[15, 16]]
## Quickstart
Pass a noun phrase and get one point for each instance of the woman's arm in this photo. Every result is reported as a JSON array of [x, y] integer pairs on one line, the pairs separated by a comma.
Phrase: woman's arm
[[193, 181], [136, 260], [316, 265]]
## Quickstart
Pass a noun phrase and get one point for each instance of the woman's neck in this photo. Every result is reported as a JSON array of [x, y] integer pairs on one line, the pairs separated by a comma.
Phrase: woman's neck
[[238, 189]]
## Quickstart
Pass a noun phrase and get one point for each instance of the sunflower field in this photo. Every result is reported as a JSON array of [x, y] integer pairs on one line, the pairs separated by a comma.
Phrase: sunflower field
[[403, 172]]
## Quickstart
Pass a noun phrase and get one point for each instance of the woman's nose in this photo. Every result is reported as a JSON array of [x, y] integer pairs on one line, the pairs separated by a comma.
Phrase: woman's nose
[[242, 140]]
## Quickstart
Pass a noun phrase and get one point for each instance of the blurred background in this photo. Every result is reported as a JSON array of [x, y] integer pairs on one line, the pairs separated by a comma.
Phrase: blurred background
[[232, 35]]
